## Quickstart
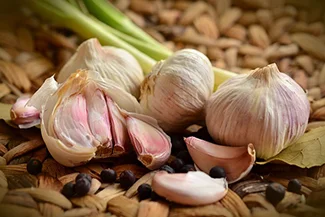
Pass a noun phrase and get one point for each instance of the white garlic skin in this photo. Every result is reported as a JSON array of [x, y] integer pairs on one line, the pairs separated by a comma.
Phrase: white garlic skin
[[112, 63], [266, 108], [176, 90]]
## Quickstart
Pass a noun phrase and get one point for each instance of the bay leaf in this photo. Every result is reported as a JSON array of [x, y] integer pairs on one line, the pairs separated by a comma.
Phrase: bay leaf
[[307, 152], [5, 111]]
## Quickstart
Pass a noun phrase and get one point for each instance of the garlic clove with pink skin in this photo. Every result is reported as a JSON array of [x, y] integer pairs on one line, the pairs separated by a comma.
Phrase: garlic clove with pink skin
[[149, 141], [265, 107], [122, 143], [193, 188], [75, 121], [23, 115], [236, 161]]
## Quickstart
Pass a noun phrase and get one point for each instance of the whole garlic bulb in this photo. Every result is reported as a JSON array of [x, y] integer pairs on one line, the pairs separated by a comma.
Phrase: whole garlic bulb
[[266, 108], [176, 90], [111, 63]]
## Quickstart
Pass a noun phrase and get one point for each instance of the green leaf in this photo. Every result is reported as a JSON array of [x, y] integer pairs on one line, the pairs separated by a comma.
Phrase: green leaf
[[308, 151], [5, 111]]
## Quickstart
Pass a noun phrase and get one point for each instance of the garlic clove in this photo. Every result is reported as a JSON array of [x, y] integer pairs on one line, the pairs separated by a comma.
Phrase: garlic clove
[[111, 63], [118, 124], [176, 90], [236, 161], [149, 141], [192, 188], [23, 115]]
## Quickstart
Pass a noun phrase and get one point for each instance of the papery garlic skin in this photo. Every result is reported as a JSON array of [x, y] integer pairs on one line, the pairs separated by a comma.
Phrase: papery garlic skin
[[72, 113], [111, 63], [23, 115], [176, 90], [193, 188], [266, 108]]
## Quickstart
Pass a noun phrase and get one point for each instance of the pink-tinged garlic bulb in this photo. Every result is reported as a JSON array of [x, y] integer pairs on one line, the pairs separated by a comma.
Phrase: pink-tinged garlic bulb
[[266, 108], [110, 63], [85, 118], [177, 89]]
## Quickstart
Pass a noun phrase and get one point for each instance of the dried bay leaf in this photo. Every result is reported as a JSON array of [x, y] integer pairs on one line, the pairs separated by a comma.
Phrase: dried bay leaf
[[308, 151]]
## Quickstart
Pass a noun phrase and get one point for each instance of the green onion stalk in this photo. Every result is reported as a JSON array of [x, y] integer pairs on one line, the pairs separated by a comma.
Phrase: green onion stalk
[[100, 19]]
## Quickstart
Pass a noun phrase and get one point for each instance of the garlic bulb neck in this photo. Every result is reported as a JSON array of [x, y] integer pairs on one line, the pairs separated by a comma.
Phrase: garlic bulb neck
[[265, 75]]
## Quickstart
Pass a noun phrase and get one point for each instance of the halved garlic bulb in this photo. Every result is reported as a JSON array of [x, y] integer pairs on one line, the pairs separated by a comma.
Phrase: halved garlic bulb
[[266, 108], [85, 118], [192, 188], [236, 161], [75, 122], [111, 63], [176, 90], [151, 144]]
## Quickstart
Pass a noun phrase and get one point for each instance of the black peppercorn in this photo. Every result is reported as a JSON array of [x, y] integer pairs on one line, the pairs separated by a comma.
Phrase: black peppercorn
[[34, 166], [294, 186], [178, 143], [82, 187], [127, 178], [144, 191], [68, 190], [186, 168], [185, 157], [275, 193], [217, 172], [167, 168], [82, 176], [177, 164], [108, 175]]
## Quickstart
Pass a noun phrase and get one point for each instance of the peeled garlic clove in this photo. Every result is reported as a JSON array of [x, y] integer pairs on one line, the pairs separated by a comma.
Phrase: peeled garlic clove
[[176, 90], [236, 161], [266, 108], [23, 115], [118, 124], [192, 188], [111, 63], [76, 124], [149, 141]]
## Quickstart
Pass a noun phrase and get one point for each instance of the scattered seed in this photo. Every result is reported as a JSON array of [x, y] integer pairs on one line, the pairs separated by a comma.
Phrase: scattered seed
[[83, 176], [127, 178], [217, 172], [186, 168], [34, 166], [68, 190], [167, 168], [108, 175], [275, 193], [177, 164], [144, 191], [294, 186], [82, 187]]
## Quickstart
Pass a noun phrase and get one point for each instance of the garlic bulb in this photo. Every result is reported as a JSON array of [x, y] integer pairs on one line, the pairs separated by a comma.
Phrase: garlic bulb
[[85, 118], [176, 90], [111, 63], [192, 188], [266, 108]]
